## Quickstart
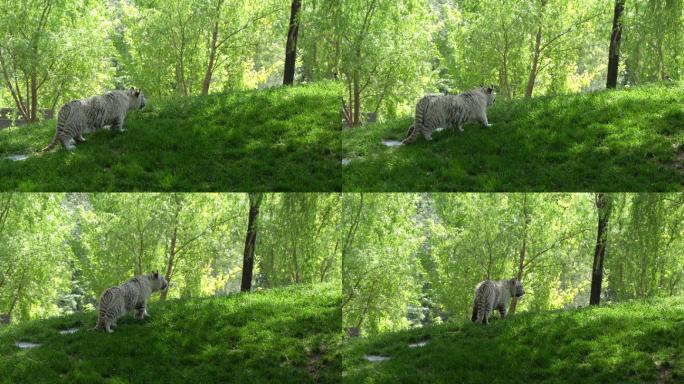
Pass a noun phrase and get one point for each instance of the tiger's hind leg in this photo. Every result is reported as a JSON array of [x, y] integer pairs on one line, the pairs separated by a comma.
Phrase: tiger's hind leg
[[474, 317], [117, 126], [139, 313]]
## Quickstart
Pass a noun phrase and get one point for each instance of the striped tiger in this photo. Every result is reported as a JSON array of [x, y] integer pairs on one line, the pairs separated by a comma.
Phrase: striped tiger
[[490, 295], [79, 116], [115, 302], [450, 111]]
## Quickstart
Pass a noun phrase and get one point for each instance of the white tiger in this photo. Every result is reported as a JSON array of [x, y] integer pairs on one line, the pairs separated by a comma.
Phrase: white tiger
[[79, 116], [134, 294], [490, 295], [434, 111]]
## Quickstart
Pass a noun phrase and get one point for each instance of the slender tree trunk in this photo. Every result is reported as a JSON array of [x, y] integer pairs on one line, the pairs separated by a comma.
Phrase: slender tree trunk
[[535, 64], [604, 207], [172, 256], [537, 53], [523, 252], [138, 267], [34, 96], [357, 97], [291, 46], [614, 50], [250, 242], [212, 59], [16, 297]]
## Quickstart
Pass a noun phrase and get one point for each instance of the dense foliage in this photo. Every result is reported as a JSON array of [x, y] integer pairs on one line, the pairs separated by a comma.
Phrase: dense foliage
[[57, 50]]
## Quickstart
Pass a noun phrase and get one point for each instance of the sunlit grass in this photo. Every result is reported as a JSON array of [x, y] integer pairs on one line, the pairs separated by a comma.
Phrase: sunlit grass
[[638, 342], [627, 140], [288, 335], [284, 139]]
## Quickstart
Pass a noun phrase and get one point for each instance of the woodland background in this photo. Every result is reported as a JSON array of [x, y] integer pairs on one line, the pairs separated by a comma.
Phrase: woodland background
[[412, 260], [386, 52], [59, 252]]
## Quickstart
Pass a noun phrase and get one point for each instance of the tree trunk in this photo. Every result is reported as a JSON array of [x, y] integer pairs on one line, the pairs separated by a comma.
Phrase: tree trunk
[[614, 50], [212, 59], [16, 297], [250, 242], [523, 252], [535, 64], [138, 267], [291, 46], [170, 261], [357, 97], [34, 96], [537, 53], [604, 207]]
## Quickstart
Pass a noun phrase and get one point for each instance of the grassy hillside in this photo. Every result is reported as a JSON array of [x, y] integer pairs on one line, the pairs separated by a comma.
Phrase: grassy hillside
[[638, 342], [288, 335], [627, 140], [284, 139]]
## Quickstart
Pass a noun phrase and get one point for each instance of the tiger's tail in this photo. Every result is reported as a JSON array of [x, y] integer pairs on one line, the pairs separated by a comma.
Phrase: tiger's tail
[[60, 128], [53, 142], [418, 124]]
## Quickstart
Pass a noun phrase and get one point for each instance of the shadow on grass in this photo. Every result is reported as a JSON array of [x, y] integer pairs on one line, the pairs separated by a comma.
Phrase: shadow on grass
[[625, 344], [288, 337]]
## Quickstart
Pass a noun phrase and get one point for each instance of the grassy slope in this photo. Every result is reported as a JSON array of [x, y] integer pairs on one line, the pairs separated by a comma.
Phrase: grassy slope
[[638, 342], [284, 139], [288, 335], [628, 140]]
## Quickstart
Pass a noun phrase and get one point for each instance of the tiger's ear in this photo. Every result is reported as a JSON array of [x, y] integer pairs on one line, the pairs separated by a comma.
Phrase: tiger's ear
[[136, 93], [490, 89], [155, 274]]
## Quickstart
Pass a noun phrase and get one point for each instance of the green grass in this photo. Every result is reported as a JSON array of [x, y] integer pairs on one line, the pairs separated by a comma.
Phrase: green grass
[[627, 140], [283, 139], [637, 342], [288, 335]]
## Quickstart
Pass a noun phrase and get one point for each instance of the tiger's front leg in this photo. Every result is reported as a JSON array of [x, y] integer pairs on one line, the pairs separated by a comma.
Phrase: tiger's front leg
[[484, 121], [141, 310], [117, 126], [502, 311]]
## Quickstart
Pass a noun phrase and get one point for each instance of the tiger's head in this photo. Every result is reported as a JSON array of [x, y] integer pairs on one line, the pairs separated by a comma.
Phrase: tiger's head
[[157, 282], [136, 99], [489, 94], [516, 287]]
